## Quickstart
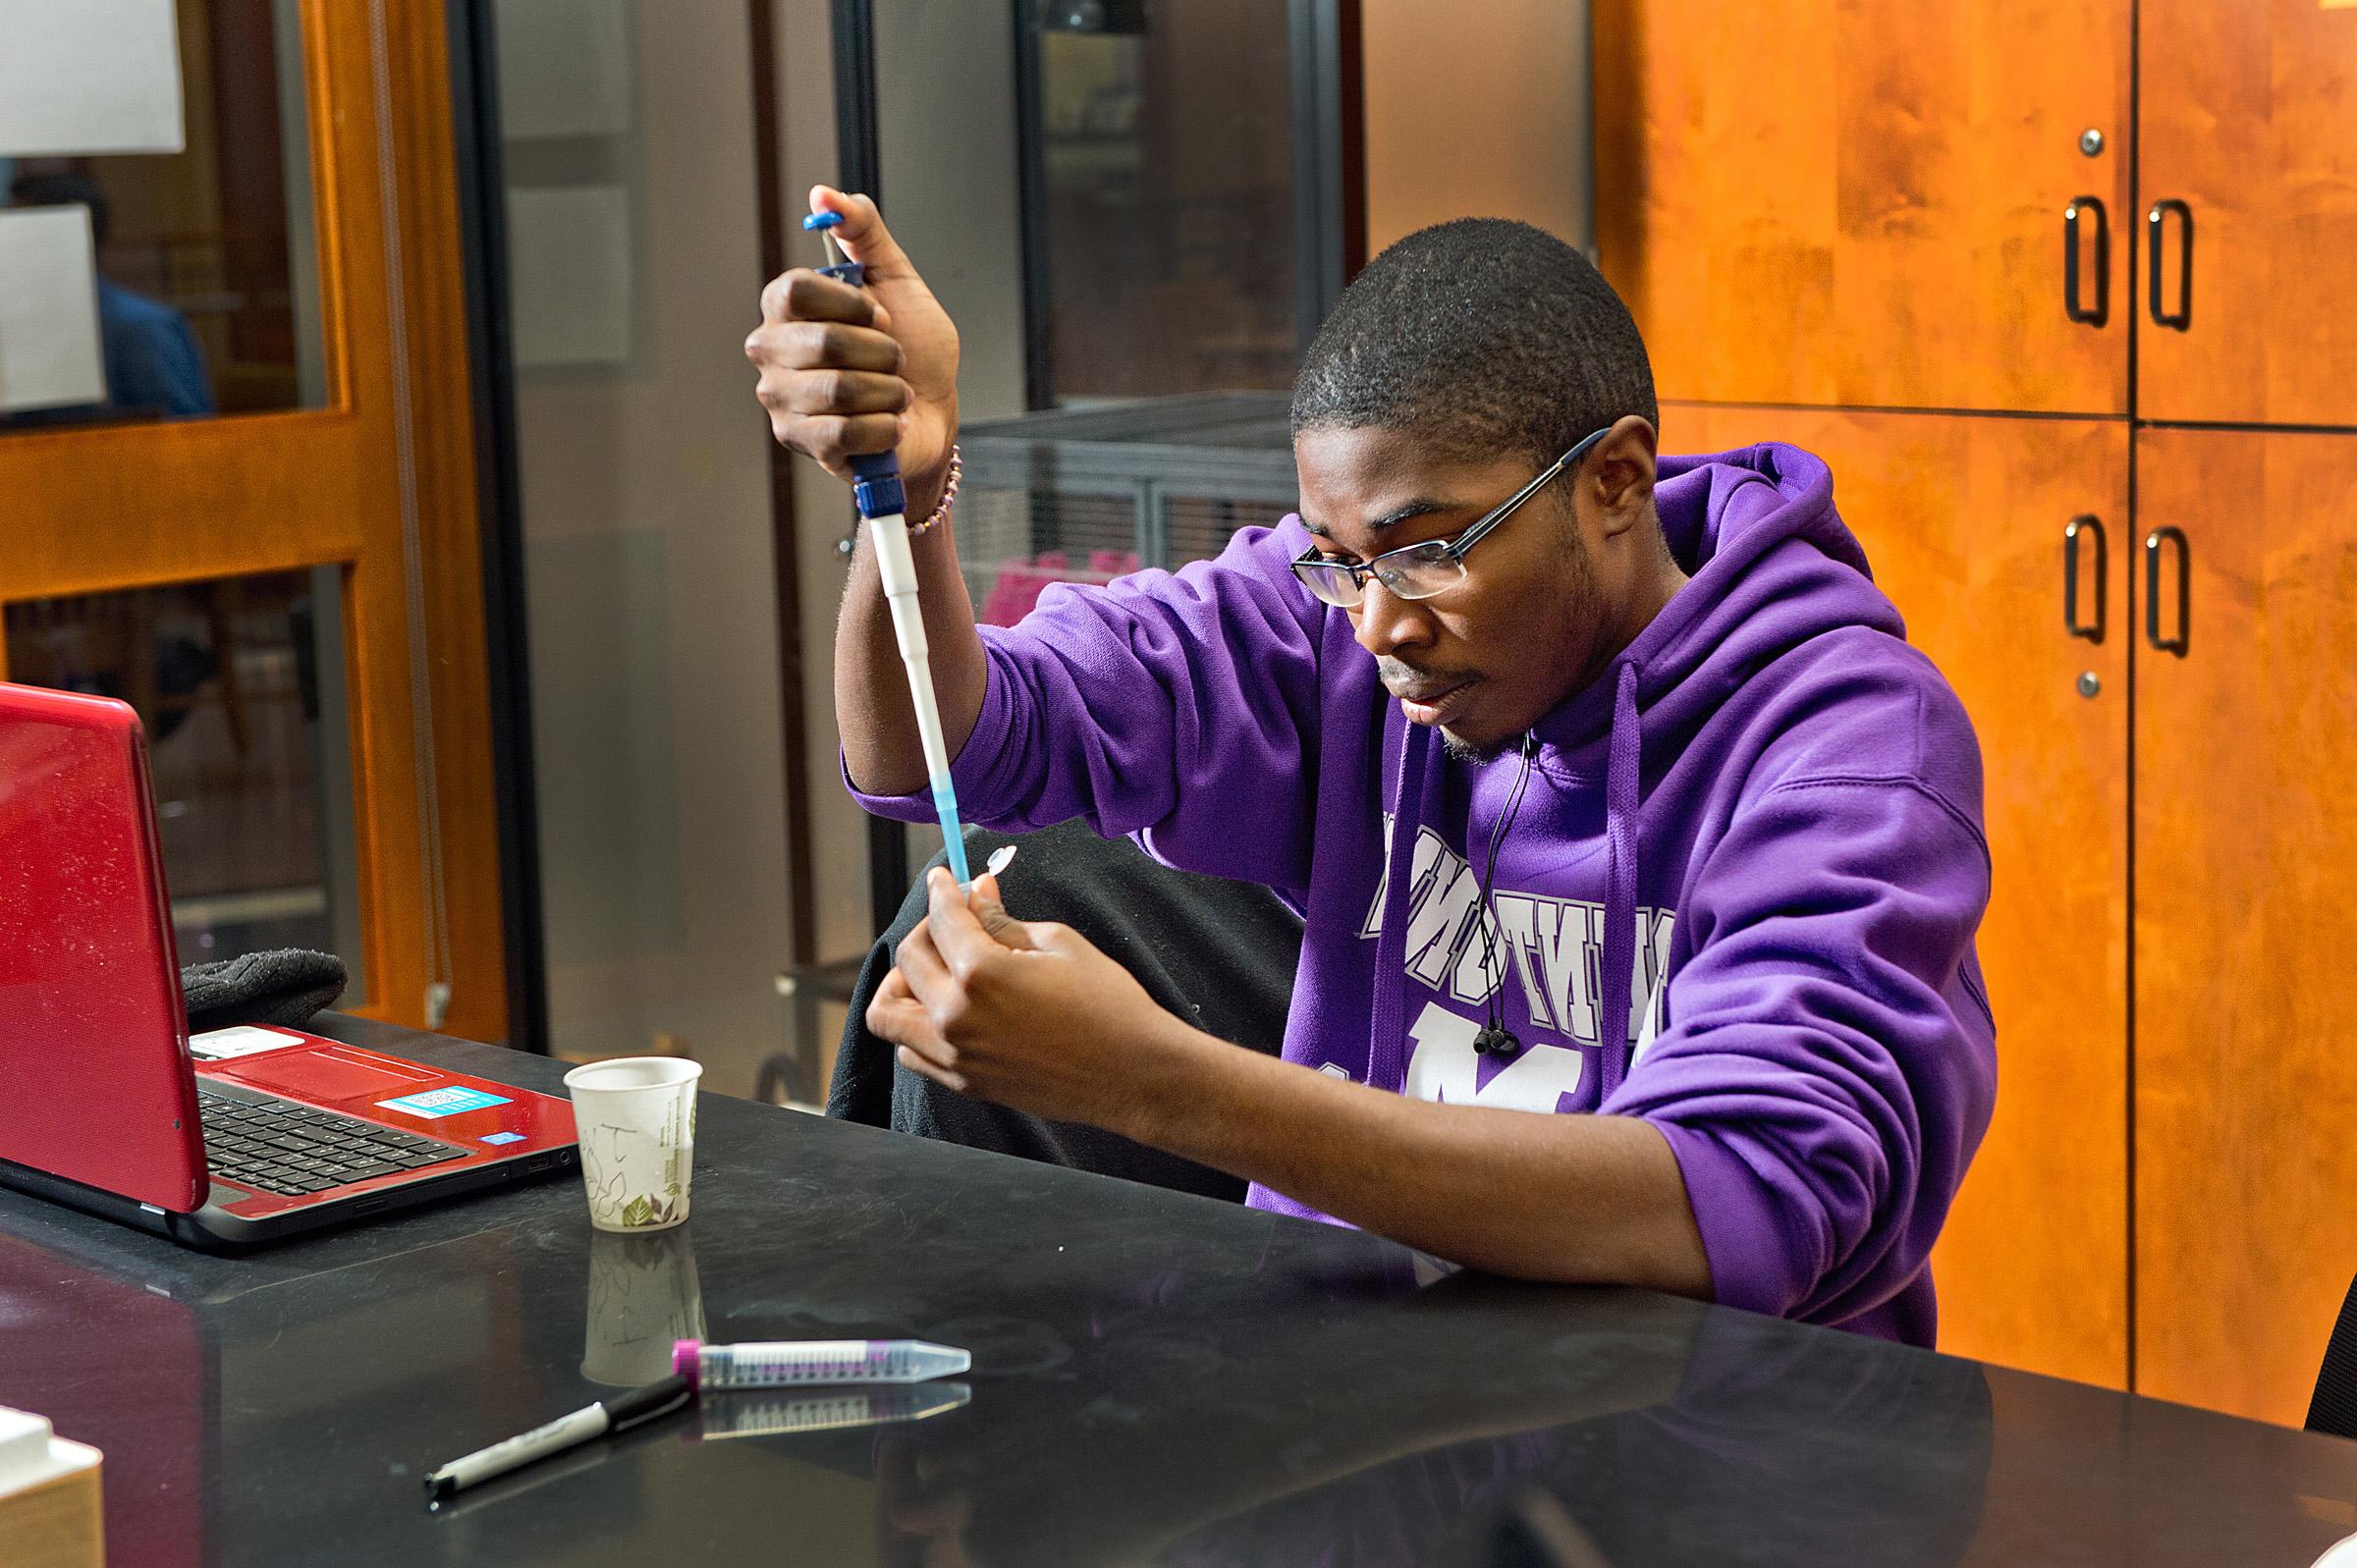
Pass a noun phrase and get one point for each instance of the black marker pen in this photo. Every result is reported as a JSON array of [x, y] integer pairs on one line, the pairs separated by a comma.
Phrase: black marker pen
[[566, 1432]]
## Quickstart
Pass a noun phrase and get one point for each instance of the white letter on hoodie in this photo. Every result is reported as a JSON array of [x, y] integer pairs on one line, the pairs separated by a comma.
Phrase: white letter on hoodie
[[1444, 1067], [1441, 918]]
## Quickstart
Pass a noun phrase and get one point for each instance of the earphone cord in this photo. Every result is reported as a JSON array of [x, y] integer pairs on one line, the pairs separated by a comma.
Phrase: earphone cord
[[1492, 970]]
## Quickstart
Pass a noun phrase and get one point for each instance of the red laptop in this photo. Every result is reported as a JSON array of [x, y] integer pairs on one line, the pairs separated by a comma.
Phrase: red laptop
[[106, 1104]]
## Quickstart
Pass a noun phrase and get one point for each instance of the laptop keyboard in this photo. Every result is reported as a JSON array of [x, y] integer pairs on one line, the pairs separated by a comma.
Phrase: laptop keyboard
[[293, 1150]]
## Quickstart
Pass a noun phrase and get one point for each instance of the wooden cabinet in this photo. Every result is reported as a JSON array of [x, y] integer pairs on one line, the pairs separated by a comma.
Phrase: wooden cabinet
[[2245, 842], [1818, 203], [2249, 120], [1848, 204], [1964, 520], [1819, 200]]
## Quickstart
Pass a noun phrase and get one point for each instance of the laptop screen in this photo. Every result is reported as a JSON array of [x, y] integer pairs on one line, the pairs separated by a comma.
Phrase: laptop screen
[[95, 1084]]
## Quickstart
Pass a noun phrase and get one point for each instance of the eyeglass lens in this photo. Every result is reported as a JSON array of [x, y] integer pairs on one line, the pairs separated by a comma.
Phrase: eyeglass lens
[[1418, 573]]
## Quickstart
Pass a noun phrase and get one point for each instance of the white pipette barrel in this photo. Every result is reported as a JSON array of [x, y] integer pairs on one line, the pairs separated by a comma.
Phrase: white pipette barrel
[[889, 536]]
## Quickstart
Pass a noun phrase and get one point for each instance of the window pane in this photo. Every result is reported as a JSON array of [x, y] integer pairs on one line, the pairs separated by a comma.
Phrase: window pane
[[1166, 151], [239, 685], [633, 262], [1080, 495], [204, 269]]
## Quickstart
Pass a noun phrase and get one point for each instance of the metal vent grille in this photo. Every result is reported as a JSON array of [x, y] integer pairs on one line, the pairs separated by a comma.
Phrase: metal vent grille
[[1198, 528], [1014, 543]]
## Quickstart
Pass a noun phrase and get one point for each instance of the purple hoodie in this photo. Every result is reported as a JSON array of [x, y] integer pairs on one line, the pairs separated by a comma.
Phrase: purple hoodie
[[1737, 899]]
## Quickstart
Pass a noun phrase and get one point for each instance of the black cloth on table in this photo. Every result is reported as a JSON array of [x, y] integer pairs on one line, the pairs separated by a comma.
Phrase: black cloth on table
[[285, 986]]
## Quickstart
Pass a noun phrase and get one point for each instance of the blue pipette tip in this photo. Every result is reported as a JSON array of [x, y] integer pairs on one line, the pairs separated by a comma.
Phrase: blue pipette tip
[[823, 220], [952, 836]]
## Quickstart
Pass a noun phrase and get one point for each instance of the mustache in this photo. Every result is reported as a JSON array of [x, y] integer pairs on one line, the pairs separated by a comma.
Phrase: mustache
[[1403, 678]]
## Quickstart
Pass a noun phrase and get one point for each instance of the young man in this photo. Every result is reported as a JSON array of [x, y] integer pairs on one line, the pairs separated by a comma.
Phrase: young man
[[1606, 784]]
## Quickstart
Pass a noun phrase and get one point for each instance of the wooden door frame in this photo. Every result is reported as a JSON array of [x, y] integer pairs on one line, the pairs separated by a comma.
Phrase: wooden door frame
[[379, 482]]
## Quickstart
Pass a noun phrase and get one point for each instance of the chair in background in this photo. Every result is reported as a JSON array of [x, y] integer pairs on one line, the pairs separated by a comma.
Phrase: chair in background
[[2333, 1406]]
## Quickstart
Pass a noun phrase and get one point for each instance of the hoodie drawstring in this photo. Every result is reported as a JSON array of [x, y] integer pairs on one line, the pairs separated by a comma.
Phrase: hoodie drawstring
[[1387, 1057], [1386, 1038], [1621, 881]]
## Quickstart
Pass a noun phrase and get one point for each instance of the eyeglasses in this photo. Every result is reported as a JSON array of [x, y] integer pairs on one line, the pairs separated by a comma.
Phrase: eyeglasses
[[1420, 570]]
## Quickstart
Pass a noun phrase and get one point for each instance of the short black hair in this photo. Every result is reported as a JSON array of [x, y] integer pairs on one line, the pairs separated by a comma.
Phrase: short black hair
[[1482, 336], [64, 188]]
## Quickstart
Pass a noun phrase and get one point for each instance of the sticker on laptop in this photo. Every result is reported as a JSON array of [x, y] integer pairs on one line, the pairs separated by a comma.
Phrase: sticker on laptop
[[504, 1137], [227, 1045], [446, 1101]]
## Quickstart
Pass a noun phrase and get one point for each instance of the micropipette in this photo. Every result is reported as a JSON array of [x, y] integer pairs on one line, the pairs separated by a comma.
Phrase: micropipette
[[876, 489], [779, 1363]]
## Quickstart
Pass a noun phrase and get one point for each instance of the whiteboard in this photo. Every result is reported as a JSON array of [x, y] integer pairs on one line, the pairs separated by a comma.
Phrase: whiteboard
[[88, 76], [49, 355], [570, 274], [563, 68]]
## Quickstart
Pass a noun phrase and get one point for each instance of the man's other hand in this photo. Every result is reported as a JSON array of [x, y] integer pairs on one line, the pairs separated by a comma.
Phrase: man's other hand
[[1027, 1013]]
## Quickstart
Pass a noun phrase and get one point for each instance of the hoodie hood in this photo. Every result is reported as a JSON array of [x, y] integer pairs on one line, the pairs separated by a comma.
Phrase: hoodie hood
[[1768, 566]]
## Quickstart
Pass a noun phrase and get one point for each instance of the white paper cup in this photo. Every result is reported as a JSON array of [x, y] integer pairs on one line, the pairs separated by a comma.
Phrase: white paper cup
[[636, 1119]]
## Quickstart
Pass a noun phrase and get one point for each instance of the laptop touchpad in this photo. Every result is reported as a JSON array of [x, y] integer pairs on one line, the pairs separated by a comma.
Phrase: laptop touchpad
[[322, 1075]]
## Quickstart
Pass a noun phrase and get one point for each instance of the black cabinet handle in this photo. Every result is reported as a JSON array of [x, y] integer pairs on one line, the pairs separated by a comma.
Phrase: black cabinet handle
[[2182, 317], [2093, 631], [2095, 314], [2151, 590]]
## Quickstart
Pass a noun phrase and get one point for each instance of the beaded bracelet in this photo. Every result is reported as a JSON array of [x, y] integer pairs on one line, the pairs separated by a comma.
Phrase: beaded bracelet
[[949, 493]]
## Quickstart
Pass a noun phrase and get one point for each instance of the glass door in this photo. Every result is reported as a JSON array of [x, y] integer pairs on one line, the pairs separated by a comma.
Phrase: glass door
[[235, 449]]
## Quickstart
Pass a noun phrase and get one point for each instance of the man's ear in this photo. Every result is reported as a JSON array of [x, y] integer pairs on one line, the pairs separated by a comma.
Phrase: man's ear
[[1621, 474]]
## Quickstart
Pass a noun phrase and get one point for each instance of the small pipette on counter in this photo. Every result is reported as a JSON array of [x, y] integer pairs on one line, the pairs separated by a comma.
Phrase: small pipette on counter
[[783, 1363], [883, 504]]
